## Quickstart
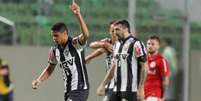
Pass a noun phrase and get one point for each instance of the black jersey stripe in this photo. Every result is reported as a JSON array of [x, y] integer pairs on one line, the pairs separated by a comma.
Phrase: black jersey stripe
[[74, 53], [129, 69], [84, 68]]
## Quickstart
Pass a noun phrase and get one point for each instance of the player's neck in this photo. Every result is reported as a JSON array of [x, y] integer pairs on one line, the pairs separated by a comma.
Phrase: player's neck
[[126, 35], [153, 54], [64, 42]]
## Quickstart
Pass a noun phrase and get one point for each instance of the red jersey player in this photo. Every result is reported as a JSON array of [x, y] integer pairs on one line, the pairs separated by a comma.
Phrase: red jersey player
[[158, 72]]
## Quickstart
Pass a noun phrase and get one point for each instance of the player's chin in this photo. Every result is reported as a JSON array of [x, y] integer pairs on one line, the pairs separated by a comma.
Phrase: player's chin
[[56, 42]]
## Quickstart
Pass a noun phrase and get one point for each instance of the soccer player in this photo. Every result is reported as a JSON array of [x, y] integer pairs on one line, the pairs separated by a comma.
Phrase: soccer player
[[128, 68], [158, 72], [69, 54], [104, 46]]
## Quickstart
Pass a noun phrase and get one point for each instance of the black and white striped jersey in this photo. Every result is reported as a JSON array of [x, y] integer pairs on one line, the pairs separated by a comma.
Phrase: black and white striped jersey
[[108, 60], [127, 55], [72, 62]]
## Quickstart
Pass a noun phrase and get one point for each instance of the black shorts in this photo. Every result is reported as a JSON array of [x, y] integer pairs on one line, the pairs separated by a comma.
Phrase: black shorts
[[108, 93], [77, 95], [123, 96]]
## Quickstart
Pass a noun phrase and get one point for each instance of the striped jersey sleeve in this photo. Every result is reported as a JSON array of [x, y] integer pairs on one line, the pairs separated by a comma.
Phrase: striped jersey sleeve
[[140, 51], [77, 44], [164, 67], [51, 56]]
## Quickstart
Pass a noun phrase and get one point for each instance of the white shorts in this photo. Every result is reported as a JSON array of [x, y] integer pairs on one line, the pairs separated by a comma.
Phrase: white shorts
[[152, 98]]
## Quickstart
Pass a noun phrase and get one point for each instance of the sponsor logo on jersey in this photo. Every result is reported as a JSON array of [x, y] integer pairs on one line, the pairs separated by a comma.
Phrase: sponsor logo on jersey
[[68, 63]]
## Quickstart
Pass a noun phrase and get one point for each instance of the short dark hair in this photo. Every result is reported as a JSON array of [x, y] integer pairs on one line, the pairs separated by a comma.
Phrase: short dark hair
[[154, 37], [113, 22], [59, 27], [125, 24]]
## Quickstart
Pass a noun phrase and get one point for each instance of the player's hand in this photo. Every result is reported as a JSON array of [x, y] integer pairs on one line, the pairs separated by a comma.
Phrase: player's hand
[[100, 91], [140, 94], [75, 8], [35, 84], [162, 99]]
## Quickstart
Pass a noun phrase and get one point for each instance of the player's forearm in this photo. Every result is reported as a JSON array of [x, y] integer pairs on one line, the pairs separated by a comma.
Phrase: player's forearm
[[109, 75], [165, 83], [96, 44], [84, 29], [46, 73], [143, 74], [94, 54]]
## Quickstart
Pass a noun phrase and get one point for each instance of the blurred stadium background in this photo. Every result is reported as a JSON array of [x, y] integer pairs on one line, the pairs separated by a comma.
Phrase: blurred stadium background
[[25, 39]]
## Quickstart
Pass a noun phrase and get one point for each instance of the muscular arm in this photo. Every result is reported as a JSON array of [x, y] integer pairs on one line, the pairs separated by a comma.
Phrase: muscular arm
[[109, 75], [101, 44], [165, 83], [46, 72], [84, 30], [94, 54], [143, 74]]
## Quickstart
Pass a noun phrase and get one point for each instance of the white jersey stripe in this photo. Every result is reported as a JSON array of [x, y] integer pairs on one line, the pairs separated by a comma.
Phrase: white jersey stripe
[[165, 65]]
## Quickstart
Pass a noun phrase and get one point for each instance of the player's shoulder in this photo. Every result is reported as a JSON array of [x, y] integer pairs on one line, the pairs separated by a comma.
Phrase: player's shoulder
[[160, 56], [135, 40], [106, 40]]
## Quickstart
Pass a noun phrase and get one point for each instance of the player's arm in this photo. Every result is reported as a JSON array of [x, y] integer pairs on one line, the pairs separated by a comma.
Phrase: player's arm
[[84, 30], [164, 72], [143, 75], [165, 82], [44, 75], [100, 90], [47, 71], [140, 54], [94, 54], [101, 44]]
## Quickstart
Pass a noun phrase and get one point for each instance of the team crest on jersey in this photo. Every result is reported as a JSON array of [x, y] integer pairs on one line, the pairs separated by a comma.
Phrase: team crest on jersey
[[152, 64], [137, 51]]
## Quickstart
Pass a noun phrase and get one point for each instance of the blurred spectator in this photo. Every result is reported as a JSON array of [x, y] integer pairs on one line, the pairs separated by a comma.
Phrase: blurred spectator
[[170, 54], [46, 7], [6, 88]]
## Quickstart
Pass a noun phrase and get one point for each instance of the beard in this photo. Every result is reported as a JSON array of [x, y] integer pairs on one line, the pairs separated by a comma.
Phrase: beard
[[151, 52]]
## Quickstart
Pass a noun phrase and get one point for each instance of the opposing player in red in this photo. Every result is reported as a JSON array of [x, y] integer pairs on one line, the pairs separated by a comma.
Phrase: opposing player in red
[[158, 72]]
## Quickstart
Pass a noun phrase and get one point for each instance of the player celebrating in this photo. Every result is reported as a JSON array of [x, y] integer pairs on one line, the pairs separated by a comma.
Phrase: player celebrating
[[158, 72], [105, 46], [69, 54], [129, 58]]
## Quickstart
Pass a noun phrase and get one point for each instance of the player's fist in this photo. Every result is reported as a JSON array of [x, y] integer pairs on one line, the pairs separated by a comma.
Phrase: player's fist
[[35, 84], [75, 8], [100, 91], [140, 94]]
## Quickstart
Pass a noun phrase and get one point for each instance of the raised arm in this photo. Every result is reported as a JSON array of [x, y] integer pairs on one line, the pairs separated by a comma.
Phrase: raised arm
[[84, 30], [94, 54]]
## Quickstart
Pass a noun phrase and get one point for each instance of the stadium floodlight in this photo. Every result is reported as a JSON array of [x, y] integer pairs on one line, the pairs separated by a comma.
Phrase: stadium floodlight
[[12, 24]]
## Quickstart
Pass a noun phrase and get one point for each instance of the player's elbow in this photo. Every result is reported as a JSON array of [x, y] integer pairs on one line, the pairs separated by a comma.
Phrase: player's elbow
[[86, 35], [92, 45]]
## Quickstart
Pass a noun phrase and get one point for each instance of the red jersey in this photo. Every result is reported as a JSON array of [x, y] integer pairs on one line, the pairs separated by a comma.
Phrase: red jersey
[[157, 69]]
